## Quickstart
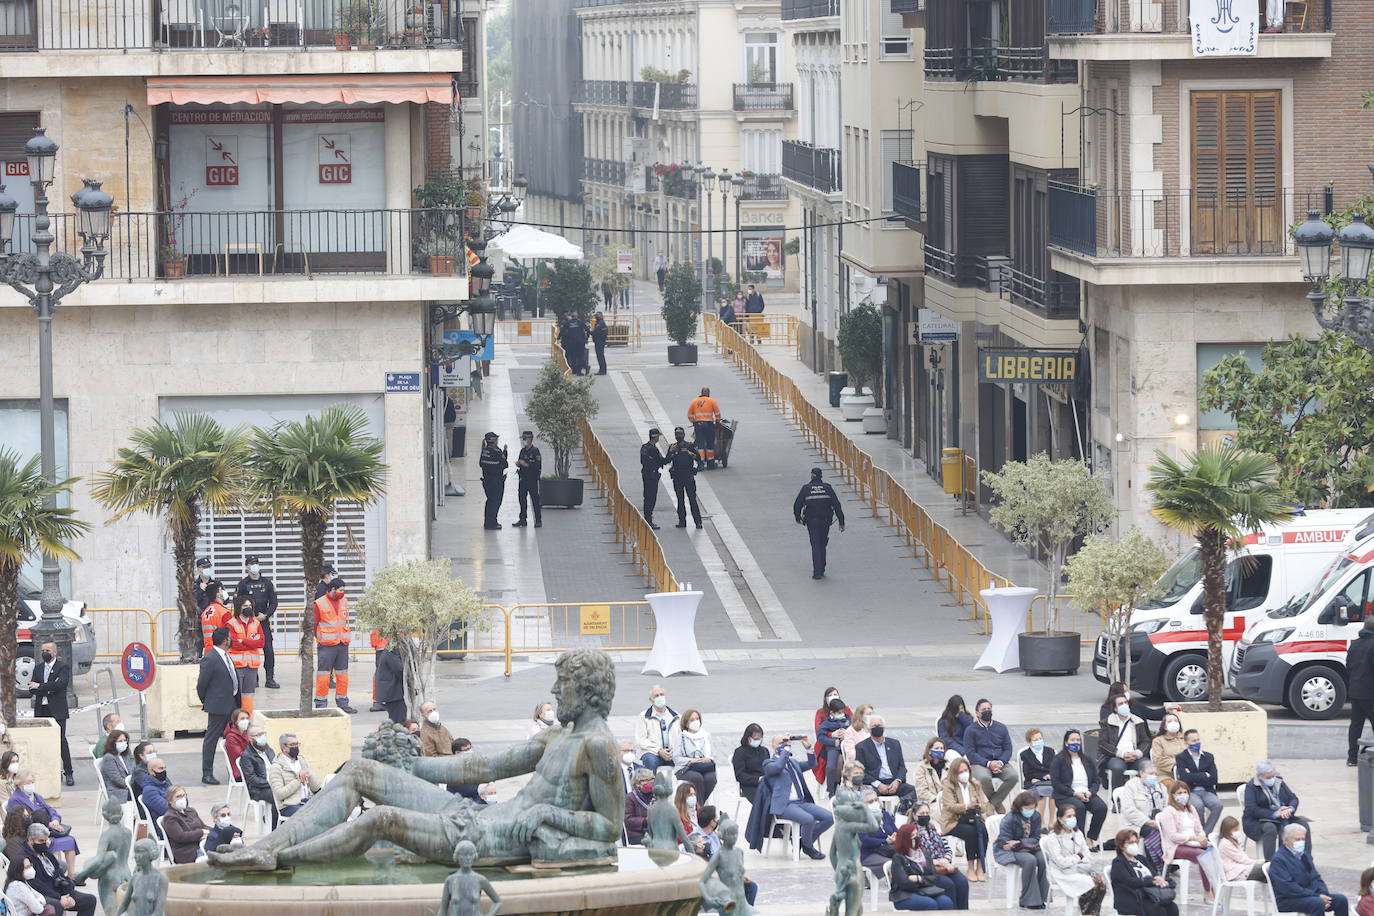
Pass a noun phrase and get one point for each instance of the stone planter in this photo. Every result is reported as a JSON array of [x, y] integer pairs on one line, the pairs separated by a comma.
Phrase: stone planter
[[37, 741], [682, 354], [1042, 653], [561, 491], [173, 705], [1238, 736], [875, 420], [852, 406], [326, 735]]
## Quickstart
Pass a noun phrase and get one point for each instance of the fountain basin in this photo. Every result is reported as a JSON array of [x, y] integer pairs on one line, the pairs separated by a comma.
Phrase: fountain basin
[[637, 885]]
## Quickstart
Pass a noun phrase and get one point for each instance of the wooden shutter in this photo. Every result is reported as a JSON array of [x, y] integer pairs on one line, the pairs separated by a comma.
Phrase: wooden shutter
[[1237, 151], [16, 129], [1206, 169]]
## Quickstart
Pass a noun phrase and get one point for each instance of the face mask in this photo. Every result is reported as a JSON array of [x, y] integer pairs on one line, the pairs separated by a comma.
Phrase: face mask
[[433, 718], [260, 741], [1299, 846], [660, 701], [1132, 849], [180, 803], [755, 742], [255, 569], [963, 777], [1195, 747], [691, 801], [2, 728], [1151, 780], [246, 612], [647, 788], [121, 746], [547, 717], [241, 725], [149, 755], [28, 790], [693, 726], [222, 597], [47, 658], [937, 753], [30, 874], [1038, 745], [833, 696], [986, 715], [877, 731], [1181, 798], [160, 777], [875, 808], [1075, 746], [1070, 823], [207, 573], [226, 821], [117, 727], [1171, 727], [923, 820], [13, 768], [1123, 710], [1270, 781], [293, 752], [40, 847], [627, 758], [1027, 812]]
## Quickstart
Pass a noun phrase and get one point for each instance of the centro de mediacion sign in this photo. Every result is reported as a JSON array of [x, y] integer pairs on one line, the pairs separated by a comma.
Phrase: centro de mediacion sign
[[1028, 367]]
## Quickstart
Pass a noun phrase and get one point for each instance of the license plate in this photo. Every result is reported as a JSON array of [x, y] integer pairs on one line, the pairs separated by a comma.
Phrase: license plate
[[1100, 670]]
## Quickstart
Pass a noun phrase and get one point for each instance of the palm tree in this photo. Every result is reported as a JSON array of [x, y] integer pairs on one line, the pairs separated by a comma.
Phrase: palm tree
[[304, 469], [27, 525], [175, 471], [1218, 494]]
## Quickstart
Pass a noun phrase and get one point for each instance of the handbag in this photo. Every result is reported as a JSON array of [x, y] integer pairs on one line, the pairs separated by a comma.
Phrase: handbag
[[885, 850], [708, 766], [1159, 894]]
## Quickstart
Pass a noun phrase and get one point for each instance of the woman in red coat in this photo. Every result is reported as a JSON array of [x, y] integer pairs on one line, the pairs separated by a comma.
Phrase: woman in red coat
[[831, 693], [236, 739]]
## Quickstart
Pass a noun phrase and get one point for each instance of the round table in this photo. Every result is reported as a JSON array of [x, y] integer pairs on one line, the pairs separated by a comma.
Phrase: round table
[[1007, 610], [675, 638]]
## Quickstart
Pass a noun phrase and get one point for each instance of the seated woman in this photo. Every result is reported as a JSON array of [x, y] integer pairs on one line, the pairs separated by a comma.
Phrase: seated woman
[[183, 826], [115, 770], [692, 756], [875, 846], [637, 807], [1018, 844], [21, 899], [1072, 870], [748, 759], [1139, 887], [927, 838], [962, 809], [829, 743], [1180, 831], [236, 740], [930, 771], [1235, 864], [856, 732], [1168, 744], [27, 797], [1035, 773], [685, 801], [914, 884], [952, 724], [10, 765], [1075, 786]]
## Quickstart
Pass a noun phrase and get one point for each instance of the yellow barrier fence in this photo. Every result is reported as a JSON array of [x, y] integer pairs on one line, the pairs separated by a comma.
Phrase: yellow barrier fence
[[525, 330], [763, 329]]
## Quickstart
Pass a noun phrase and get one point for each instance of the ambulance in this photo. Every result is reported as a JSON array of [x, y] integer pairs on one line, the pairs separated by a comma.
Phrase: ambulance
[[1167, 637], [1294, 656]]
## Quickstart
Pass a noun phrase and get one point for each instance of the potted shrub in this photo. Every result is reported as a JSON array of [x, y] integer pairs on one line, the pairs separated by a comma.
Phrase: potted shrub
[[474, 201], [443, 255], [1049, 504], [860, 343], [559, 406], [569, 289], [1109, 576], [681, 310], [173, 263]]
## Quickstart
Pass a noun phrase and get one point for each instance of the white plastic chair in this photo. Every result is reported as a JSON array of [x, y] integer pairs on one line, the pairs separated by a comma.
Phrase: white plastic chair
[[1269, 892], [160, 834], [1010, 874], [182, 14], [875, 884], [791, 837], [236, 783], [1118, 796], [101, 793], [740, 803]]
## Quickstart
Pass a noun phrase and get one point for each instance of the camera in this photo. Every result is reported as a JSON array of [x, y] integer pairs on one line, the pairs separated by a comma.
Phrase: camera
[[797, 737]]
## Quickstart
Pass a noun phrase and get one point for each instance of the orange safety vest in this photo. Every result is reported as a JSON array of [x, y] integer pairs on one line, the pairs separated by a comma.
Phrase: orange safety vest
[[212, 618], [378, 640], [331, 622], [702, 410], [246, 640]]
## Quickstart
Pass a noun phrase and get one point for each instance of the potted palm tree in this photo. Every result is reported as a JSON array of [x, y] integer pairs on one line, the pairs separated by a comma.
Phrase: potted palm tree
[[860, 343], [681, 310], [570, 289], [560, 406], [29, 525], [175, 471]]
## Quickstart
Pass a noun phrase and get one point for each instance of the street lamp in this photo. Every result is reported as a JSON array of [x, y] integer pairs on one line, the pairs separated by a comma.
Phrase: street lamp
[[1354, 314], [739, 184], [44, 278], [726, 184]]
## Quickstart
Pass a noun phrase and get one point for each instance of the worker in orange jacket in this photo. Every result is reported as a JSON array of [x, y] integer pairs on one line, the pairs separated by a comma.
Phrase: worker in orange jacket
[[332, 636], [215, 615], [246, 641], [704, 414]]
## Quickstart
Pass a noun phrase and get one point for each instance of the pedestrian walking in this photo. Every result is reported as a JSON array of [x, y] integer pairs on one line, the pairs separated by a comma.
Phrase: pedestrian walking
[[738, 304], [332, 636], [608, 293], [601, 332], [753, 303], [651, 461], [661, 269], [1359, 666], [390, 682], [704, 413], [264, 594], [247, 640], [816, 506], [528, 465], [682, 463], [493, 463]]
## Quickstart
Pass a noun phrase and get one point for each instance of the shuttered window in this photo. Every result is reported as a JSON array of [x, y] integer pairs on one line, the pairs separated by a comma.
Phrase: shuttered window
[[896, 38], [1237, 207], [16, 129]]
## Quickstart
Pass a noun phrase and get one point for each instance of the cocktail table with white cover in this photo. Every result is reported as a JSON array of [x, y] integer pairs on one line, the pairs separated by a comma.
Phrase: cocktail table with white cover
[[1007, 610], [675, 637]]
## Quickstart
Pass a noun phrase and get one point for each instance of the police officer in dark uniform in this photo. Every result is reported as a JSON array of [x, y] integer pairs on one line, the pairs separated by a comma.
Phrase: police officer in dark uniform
[[528, 465], [600, 334], [205, 573], [326, 577], [264, 594], [682, 468], [815, 507], [574, 341], [493, 463], [651, 461]]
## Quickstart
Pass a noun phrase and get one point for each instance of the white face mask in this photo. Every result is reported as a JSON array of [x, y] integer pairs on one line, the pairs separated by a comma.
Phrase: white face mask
[[628, 758], [180, 803], [547, 717], [660, 701], [691, 801], [260, 741], [1132, 849], [28, 789], [1181, 798], [1123, 710], [242, 725], [433, 717], [1171, 727], [875, 808], [121, 746], [30, 874], [693, 726], [963, 777], [117, 727], [13, 768], [226, 821]]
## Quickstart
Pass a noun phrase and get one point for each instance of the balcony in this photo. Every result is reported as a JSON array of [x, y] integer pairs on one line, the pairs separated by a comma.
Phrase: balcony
[[762, 187], [815, 167], [809, 9], [664, 96], [995, 64], [603, 92], [907, 6], [672, 181], [906, 192], [987, 272], [1054, 298], [1107, 30], [604, 171], [763, 96]]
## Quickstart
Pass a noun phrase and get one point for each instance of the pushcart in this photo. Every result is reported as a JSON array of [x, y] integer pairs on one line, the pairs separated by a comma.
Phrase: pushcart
[[725, 439]]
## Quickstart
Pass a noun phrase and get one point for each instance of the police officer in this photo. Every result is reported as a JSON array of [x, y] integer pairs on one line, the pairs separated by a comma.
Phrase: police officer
[[204, 574], [528, 464], [326, 577], [264, 594], [601, 332], [574, 341], [682, 468], [651, 461], [815, 507], [493, 463]]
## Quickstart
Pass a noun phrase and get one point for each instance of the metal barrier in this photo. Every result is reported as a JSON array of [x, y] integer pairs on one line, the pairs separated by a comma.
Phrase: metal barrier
[[764, 329], [116, 627], [524, 330]]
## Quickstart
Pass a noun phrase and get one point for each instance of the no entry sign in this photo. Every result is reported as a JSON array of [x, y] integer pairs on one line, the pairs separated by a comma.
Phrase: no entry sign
[[138, 666]]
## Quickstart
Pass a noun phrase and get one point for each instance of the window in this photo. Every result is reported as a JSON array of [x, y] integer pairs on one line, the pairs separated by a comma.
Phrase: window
[[1237, 154], [761, 151], [896, 39], [1102, 370], [1247, 582], [895, 147], [761, 58]]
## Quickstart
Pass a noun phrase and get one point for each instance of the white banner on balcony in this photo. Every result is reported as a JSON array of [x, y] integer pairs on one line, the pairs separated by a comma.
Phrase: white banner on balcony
[[1224, 28]]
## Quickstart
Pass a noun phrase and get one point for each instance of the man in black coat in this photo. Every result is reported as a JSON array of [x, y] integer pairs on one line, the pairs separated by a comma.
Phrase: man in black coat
[[390, 684], [529, 464], [493, 462], [218, 689], [50, 875], [264, 594], [651, 461], [600, 334], [816, 506], [253, 764], [52, 678], [205, 574], [574, 341], [1359, 677], [322, 586], [682, 463], [883, 763]]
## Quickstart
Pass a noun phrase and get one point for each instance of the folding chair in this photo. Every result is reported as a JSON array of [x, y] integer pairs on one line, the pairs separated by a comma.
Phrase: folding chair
[[183, 14]]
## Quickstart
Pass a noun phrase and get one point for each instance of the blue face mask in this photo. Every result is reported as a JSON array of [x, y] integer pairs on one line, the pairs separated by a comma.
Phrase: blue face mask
[[1299, 846], [1270, 781], [1075, 746], [1151, 780], [1038, 745], [1027, 812], [1195, 747], [937, 753]]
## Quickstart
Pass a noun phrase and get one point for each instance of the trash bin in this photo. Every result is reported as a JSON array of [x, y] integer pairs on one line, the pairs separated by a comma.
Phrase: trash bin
[[952, 470], [838, 382], [1366, 783], [459, 444]]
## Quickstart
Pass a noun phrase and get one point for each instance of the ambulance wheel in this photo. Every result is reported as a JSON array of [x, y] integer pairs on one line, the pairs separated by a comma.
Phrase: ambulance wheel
[[1317, 692], [1185, 678]]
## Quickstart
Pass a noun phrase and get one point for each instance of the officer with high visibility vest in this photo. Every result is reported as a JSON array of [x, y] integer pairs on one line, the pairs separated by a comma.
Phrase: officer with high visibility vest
[[704, 414], [246, 641], [332, 636], [215, 615]]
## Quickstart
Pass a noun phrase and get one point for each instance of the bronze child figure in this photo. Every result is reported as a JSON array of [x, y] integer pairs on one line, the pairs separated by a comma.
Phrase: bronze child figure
[[111, 862], [464, 888]]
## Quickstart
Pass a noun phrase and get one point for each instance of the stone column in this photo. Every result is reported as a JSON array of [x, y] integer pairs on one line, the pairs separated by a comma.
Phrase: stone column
[[398, 185]]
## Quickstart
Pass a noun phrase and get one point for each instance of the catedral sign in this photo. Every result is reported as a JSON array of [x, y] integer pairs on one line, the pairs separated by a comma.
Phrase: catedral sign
[[1028, 367]]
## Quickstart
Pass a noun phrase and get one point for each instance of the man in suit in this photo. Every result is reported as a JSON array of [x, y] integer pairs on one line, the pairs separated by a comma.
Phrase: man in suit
[[629, 765], [1198, 769], [788, 797], [1298, 888], [50, 698], [884, 766], [218, 689]]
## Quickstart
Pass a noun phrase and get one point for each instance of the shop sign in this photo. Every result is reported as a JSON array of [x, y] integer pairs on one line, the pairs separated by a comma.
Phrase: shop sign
[[336, 159], [625, 261], [932, 327], [222, 116], [1028, 367], [222, 161], [16, 170]]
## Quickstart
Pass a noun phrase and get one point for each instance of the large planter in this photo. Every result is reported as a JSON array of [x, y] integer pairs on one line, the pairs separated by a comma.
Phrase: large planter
[[680, 354], [173, 705], [442, 265], [852, 406], [1042, 653], [326, 735], [1237, 736], [38, 743], [875, 420], [561, 491]]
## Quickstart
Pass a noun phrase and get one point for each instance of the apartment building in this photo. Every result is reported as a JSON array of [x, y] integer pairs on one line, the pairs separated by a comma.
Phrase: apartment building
[[671, 84], [266, 258]]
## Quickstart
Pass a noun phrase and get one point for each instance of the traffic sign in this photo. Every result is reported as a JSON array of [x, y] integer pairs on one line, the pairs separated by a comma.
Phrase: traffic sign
[[138, 666]]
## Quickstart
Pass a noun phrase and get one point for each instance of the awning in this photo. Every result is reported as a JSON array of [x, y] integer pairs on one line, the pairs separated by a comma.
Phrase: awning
[[323, 89]]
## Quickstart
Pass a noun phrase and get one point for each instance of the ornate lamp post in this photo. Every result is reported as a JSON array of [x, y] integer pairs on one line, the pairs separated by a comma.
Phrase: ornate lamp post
[[738, 182], [45, 278], [725, 186], [1353, 315], [708, 293]]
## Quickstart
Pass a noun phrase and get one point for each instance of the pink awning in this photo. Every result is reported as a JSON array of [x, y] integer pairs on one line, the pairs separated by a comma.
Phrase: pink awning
[[323, 90]]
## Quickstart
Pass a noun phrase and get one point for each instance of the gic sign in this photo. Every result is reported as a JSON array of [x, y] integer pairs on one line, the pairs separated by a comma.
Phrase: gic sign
[[336, 159], [16, 170], [222, 161]]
